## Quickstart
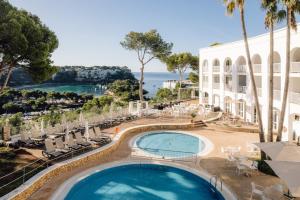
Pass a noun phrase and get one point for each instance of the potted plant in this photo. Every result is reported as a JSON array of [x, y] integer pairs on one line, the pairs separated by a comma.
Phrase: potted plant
[[193, 115]]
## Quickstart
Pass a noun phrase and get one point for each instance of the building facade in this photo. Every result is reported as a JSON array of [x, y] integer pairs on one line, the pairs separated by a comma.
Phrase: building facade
[[225, 82]]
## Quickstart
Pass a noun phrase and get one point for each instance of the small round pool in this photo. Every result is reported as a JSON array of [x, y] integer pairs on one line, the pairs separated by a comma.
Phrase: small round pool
[[171, 144], [143, 181]]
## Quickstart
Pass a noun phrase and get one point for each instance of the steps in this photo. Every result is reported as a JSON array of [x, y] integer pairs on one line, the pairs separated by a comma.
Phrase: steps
[[199, 123]]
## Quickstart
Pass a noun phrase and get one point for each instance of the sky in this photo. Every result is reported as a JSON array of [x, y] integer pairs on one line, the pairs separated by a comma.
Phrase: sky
[[90, 31]]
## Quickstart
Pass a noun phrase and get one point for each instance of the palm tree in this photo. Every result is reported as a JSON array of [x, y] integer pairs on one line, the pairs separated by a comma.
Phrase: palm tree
[[272, 17], [291, 6], [231, 5]]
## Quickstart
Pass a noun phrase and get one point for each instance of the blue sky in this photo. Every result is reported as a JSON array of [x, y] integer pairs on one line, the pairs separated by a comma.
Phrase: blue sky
[[90, 31]]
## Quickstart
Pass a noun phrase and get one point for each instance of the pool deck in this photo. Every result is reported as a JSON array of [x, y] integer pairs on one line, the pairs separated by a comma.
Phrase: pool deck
[[213, 163]]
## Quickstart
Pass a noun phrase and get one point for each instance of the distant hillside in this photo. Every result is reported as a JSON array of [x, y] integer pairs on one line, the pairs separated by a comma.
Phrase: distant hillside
[[75, 74]]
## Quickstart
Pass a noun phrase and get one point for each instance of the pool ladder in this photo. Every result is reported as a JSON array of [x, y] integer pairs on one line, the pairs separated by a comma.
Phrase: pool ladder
[[215, 179]]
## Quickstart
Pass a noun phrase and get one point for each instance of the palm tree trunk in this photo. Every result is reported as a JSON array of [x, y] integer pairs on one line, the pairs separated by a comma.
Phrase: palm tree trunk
[[261, 130], [270, 97], [141, 90], [287, 76], [7, 78], [180, 84]]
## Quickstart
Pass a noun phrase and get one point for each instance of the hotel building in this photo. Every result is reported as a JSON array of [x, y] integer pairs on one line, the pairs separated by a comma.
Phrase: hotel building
[[225, 81]]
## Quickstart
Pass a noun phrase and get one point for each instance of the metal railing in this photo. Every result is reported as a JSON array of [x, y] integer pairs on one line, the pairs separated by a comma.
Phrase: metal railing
[[205, 69], [164, 154], [242, 89], [18, 177], [228, 69], [242, 69], [216, 68], [228, 87], [213, 181]]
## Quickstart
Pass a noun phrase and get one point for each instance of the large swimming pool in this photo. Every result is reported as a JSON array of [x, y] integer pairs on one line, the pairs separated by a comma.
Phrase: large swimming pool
[[143, 181], [170, 144]]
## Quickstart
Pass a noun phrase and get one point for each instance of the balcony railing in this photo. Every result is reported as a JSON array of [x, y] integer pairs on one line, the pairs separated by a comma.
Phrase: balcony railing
[[295, 97], [257, 68], [242, 69], [277, 67], [295, 68], [228, 69], [277, 94], [216, 86], [205, 69], [242, 89], [228, 87], [216, 68]]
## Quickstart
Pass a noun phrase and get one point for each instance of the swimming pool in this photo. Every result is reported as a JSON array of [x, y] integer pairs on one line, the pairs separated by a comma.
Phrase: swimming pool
[[172, 144], [143, 181]]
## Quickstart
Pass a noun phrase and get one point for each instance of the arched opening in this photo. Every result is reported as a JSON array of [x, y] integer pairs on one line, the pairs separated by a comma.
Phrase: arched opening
[[256, 61], [205, 97], [216, 100], [228, 74], [242, 75], [241, 108], [227, 104], [295, 118], [205, 66], [295, 59], [216, 65]]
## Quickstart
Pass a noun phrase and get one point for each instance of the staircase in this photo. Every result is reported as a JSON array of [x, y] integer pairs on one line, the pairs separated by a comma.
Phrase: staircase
[[199, 123]]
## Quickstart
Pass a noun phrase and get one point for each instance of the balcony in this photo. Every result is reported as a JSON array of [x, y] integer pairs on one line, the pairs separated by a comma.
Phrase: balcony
[[242, 89], [295, 67], [295, 97], [257, 68], [216, 69], [242, 69], [216, 86], [228, 87], [277, 67], [205, 69], [228, 69]]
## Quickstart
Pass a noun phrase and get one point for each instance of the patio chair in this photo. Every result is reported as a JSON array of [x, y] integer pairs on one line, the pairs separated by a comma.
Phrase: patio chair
[[103, 136], [96, 139], [61, 146], [50, 151], [80, 141], [257, 190], [240, 168], [71, 143]]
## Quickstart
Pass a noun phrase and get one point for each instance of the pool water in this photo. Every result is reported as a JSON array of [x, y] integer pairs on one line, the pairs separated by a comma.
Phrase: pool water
[[143, 181], [170, 144]]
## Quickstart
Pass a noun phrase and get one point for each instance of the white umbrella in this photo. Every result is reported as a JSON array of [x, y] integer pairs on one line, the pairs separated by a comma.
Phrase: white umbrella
[[86, 133], [281, 151], [67, 133], [42, 128], [289, 172], [81, 118]]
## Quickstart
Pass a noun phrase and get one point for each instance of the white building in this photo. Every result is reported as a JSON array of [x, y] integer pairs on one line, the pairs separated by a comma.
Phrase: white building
[[225, 81]]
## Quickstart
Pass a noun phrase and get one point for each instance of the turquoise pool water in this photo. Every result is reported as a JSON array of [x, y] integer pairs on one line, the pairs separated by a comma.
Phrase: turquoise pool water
[[170, 144], [145, 182]]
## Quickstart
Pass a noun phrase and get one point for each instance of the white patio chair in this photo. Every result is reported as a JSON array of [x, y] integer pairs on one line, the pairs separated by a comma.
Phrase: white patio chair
[[257, 190], [240, 168]]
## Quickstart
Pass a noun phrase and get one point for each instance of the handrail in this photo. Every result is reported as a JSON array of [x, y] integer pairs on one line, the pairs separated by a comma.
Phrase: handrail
[[216, 178]]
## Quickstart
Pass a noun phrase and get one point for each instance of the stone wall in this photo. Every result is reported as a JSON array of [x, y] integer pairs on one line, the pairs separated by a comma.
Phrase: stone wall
[[41, 178]]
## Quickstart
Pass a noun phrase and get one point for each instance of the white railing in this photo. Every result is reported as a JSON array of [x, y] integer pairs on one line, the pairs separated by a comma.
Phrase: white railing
[[228, 69], [277, 94], [228, 87], [295, 97], [242, 69], [216, 85], [242, 89], [257, 68], [205, 69], [295, 67], [216, 68], [277, 67]]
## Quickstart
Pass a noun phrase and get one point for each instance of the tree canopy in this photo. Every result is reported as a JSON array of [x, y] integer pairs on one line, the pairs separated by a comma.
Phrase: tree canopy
[[25, 41]]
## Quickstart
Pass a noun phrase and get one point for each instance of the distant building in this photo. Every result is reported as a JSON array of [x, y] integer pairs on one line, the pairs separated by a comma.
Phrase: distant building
[[171, 84]]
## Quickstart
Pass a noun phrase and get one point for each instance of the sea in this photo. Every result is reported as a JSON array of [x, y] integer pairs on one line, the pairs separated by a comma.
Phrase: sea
[[152, 82]]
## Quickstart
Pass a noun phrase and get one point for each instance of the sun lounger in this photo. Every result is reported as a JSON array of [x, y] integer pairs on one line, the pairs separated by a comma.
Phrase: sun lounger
[[96, 139], [61, 146], [103, 136], [71, 143], [80, 141], [26, 141], [50, 151]]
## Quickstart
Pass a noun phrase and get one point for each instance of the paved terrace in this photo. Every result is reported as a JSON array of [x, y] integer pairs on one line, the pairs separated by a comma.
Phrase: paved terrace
[[213, 163]]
